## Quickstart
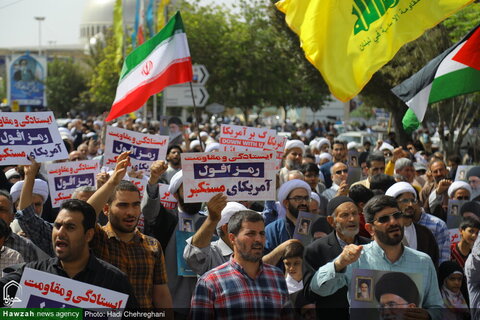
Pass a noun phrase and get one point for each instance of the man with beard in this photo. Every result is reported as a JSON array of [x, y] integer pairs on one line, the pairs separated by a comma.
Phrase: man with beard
[[293, 156], [339, 174], [293, 196], [167, 226], [343, 216], [434, 197], [243, 287], [417, 236], [175, 130], [407, 200], [339, 153], [385, 253], [174, 163], [473, 177]]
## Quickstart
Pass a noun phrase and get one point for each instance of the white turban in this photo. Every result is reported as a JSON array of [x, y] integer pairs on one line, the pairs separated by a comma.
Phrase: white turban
[[175, 182], [294, 144], [352, 145], [399, 188], [458, 185], [289, 186], [40, 187], [212, 146], [203, 134], [230, 209], [11, 173], [323, 141], [326, 155], [315, 196], [194, 143], [313, 145], [386, 146]]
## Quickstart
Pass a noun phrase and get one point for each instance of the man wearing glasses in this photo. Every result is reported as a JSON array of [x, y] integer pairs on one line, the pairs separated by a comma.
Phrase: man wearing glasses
[[339, 172], [385, 253], [409, 204]]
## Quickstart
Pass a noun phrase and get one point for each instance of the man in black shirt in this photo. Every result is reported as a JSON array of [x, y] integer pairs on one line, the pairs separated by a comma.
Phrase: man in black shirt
[[73, 229]]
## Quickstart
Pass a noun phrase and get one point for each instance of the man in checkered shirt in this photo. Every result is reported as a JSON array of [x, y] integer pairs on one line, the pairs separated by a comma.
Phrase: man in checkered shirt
[[244, 287]]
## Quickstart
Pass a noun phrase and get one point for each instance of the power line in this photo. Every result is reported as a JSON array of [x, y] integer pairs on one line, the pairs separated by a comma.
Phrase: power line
[[10, 4]]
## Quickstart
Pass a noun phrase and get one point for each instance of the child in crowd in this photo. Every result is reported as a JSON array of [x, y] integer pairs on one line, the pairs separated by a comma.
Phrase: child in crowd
[[293, 262], [451, 281], [469, 228]]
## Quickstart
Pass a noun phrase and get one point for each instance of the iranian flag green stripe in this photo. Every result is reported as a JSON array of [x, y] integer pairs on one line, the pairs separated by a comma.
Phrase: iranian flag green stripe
[[162, 61]]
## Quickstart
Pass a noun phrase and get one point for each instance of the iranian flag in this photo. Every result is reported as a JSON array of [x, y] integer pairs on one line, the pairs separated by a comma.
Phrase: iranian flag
[[162, 61], [456, 71]]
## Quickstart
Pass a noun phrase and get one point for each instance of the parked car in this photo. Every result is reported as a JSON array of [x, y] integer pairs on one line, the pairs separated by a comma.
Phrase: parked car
[[358, 136]]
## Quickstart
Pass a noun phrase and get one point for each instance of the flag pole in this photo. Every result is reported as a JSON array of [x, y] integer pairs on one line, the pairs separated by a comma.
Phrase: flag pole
[[195, 126]]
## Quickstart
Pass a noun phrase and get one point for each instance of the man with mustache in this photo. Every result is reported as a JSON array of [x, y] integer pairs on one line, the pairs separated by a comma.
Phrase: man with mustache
[[339, 174], [293, 196], [385, 253], [243, 287], [343, 216], [434, 197], [293, 157], [406, 197]]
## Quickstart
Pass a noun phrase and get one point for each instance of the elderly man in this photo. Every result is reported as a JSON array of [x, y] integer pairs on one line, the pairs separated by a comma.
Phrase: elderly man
[[343, 216], [405, 171], [339, 174], [293, 196], [473, 177], [385, 253], [375, 165], [243, 287], [407, 201], [293, 156], [435, 193], [339, 154]]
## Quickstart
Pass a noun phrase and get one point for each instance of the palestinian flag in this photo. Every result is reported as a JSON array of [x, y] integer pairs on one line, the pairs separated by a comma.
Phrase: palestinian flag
[[456, 71], [162, 61]]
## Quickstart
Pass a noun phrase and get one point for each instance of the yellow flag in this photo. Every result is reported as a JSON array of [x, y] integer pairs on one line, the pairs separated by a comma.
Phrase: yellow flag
[[349, 40], [118, 30], [161, 13]]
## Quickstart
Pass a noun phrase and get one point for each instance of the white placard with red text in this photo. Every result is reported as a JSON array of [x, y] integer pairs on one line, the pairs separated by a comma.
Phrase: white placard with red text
[[277, 144], [145, 148], [65, 177], [238, 175], [166, 198], [241, 138], [40, 289], [33, 134]]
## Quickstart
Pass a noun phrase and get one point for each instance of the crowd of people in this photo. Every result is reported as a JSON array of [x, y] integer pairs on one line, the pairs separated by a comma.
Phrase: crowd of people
[[378, 207]]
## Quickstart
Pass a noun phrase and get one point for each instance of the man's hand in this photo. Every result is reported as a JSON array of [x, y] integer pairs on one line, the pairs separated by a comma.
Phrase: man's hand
[[102, 178], [156, 170], [349, 255], [31, 171], [123, 161], [397, 154], [416, 314], [343, 189], [443, 186], [215, 206]]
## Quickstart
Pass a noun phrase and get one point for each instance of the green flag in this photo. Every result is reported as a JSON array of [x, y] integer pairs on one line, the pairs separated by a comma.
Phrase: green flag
[[410, 121]]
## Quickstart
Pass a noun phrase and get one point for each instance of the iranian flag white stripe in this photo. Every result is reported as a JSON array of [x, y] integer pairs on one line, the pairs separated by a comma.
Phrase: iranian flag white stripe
[[162, 61]]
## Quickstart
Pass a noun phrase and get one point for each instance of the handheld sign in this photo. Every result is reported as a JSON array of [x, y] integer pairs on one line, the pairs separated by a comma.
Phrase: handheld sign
[[238, 175], [25, 134], [242, 138]]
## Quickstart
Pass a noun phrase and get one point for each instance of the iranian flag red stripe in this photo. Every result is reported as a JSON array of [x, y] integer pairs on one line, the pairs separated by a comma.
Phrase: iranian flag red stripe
[[162, 61]]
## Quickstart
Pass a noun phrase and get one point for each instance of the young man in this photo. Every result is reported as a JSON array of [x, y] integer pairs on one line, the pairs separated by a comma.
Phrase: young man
[[244, 287], [469, 228]]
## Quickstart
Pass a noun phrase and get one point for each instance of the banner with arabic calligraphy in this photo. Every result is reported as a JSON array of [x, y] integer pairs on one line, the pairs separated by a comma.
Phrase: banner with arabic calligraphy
[[166, 198], [33, 134], [277, 144], [146, 148], [45, 290], [65, 177], [238, 175], [241, 138]]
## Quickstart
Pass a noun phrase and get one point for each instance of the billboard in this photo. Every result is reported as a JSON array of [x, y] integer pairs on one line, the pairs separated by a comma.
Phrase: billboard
[[26, 76]]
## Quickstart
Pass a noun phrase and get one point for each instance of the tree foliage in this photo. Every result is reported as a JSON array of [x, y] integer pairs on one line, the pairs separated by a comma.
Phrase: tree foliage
[[65, 82]]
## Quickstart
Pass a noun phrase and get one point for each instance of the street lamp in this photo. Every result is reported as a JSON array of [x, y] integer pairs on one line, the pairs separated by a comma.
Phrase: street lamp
[[39, 19]]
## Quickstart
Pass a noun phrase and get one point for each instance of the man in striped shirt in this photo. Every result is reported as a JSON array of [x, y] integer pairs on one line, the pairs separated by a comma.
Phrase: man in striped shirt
[[244, 287]]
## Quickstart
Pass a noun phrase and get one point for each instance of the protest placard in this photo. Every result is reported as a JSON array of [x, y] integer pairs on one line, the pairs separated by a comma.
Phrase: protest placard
[[145, 148], [303, 227], [38, 289], [277, 144], [242, 138], [462, 171], [166, 198], [65, 177], [369, 288], [32, 134], [238, 175]]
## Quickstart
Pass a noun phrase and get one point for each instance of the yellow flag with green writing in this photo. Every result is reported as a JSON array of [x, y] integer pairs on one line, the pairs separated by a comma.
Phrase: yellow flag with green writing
[[349, 40]]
